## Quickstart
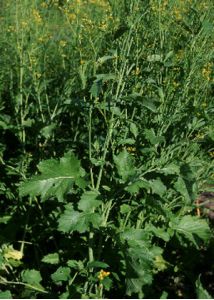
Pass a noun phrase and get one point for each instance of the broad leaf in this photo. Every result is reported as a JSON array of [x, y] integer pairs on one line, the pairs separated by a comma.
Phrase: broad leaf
[[125, 165], [139, 266], [72, 220], [56, 178], [158, 232], [157, 187], [5, 295], [33, 278], [192, 228], [52, 258], [61, 274], [88, 201], [152, 138], [75, 264], [134, 187], [181, 187]]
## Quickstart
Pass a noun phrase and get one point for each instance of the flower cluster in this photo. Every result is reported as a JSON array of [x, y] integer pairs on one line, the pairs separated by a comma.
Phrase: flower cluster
[[103, 274]]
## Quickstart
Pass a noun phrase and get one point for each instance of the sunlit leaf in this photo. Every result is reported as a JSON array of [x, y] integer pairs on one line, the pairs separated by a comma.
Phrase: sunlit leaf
[[56, 178]]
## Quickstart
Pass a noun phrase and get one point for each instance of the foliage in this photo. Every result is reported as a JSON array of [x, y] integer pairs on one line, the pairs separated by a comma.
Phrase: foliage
[[106, 140]]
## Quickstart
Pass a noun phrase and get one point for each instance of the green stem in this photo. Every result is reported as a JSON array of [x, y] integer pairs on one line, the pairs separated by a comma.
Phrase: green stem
[[25, 284]]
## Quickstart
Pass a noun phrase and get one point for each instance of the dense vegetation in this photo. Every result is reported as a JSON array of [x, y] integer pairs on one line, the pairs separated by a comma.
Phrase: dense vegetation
[[106, 141]]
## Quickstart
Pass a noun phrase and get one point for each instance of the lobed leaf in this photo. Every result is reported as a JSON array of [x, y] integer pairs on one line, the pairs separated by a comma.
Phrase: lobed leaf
[[56, 178]]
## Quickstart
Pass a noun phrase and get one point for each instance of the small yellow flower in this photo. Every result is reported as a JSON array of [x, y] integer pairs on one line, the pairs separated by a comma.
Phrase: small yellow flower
[[207, 71], [211, 154], [62, 43], [37, 17], [103, 274]]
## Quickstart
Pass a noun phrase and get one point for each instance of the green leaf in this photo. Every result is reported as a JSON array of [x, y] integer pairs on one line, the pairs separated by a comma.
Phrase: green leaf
[[52, 258], [170, 169], [139, 269], [47, 131], [72, 220], [5, 295], [200, 291], [134, 129], [164, 295], [56, 178], [105, 77], [125, 208], [158, 232], [5, 219], [191, 227], [105, 58], [149, 104], [97, 264], [152, 138], [74, 264], [181, 187], [32, 277], [134, 234], [125, 165], [134, 187], [61, 274], [88, 201], [157, 187]]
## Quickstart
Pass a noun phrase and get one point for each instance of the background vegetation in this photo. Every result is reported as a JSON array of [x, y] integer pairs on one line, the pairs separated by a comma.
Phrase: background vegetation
[[106, 140]]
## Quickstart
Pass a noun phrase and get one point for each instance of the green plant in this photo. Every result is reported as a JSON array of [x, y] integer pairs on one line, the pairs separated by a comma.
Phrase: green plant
[[112, 128]]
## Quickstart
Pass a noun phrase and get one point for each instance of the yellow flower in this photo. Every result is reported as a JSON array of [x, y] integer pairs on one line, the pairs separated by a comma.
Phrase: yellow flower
[[62, 43], [211, 153], [103, 274], [37, 17], [206, 71]]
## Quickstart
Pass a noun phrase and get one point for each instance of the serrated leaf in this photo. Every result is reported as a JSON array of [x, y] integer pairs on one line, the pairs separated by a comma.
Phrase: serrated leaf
[[134, 187], [52, 258], [32, 277], [61, 274], [139, 269], [72, 220], [152, 138], [192, 227], [134, 234], [200, 291], [5, 295], [159, 232], [78, 265], [157, 187], [88, 201], [125, 164], [56, 178], [170, 170]]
